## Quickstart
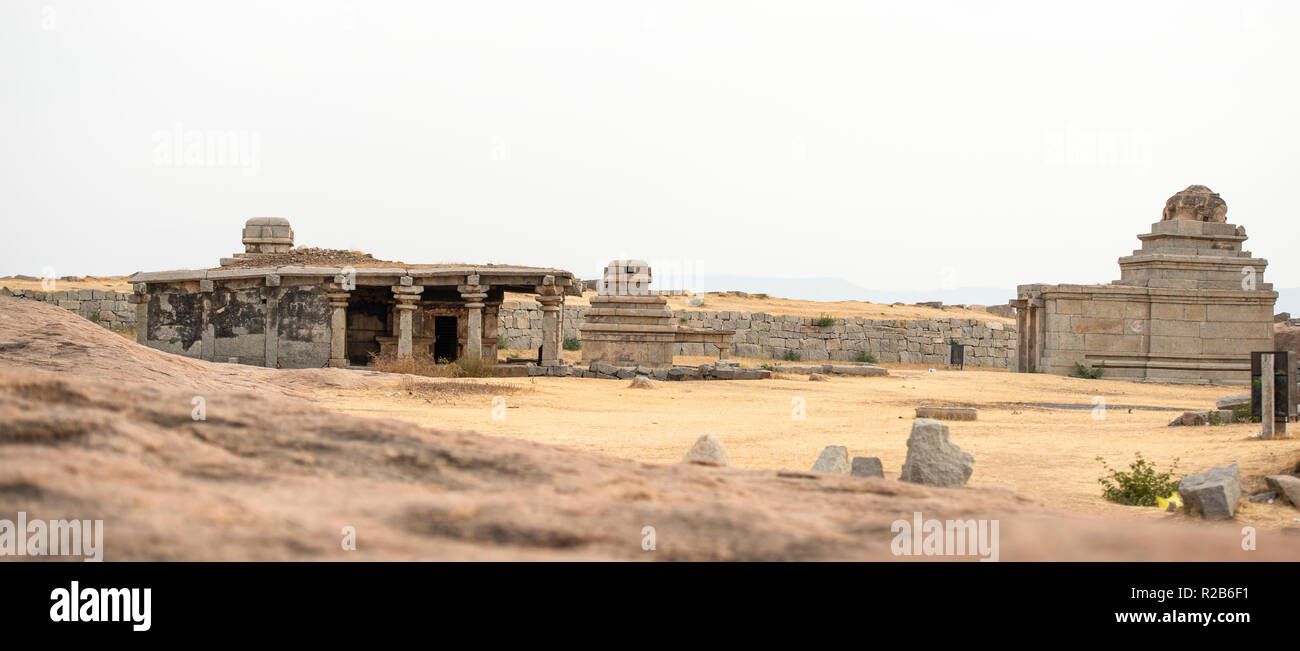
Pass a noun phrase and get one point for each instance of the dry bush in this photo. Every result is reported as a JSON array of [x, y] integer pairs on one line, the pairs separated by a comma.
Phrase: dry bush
[[425, 364], [450, 391]]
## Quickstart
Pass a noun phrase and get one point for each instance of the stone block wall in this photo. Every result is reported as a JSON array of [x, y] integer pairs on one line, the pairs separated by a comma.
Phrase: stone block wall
[[923, 341], [110, 309], [919, 341]]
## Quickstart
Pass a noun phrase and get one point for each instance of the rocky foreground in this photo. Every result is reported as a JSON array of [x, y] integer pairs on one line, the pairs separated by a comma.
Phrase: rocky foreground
[[95, 426]]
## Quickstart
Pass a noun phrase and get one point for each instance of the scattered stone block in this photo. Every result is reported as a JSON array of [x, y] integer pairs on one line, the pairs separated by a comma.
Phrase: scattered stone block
[[947, 413], [867, 467], [1287, 485], [933, 459], [643, 382], [863, 370], [1211, 417], [1260, 498], [834, 459], [708, 450], [1213, 493], [816, 377], [1235, 400], [603, 368]]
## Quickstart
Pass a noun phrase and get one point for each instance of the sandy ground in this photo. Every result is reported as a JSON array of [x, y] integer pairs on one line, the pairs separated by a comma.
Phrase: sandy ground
[[105, 283], [1043, 453]]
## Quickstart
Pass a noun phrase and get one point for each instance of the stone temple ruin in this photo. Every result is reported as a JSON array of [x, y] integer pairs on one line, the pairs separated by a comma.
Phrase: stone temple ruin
[[629, 325], [274, 305], [1190, 305]]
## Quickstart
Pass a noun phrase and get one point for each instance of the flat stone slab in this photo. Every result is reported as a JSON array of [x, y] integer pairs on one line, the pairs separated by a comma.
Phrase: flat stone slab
[[867, 467], [947, 413], [1236, 400], [1213, 493], [864, 370], [834, 459], [1288, 485]]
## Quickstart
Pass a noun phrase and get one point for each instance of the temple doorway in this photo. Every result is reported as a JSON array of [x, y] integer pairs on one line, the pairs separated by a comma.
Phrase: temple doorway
[[446, 344]]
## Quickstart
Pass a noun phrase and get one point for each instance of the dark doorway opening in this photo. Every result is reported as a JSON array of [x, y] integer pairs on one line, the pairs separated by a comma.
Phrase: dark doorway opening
[[445, 343], [367, 320]]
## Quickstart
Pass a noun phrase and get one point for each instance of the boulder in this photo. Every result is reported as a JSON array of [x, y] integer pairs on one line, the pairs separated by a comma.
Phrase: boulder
[[1213, 493], [933, 459], [643, 382], [709, 451], [834, 460], [816, 377], [867, 467], [1288, 485]]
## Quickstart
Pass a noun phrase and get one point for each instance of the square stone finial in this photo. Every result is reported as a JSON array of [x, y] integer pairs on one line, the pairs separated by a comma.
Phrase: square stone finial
[[625, 278], [267, 235]]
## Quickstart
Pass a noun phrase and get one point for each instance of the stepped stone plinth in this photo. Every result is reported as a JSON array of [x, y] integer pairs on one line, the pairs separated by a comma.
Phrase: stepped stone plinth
[[627, 324]]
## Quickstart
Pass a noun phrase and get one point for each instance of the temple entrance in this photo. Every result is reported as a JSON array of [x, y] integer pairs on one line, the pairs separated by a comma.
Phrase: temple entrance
[[446, 345], [367, 320]]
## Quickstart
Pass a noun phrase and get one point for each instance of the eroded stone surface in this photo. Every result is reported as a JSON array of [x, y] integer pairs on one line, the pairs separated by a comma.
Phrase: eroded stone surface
[[1196, 203], [708, 450], [933, 459], [867, 467], [1213, 493], [834, 459]]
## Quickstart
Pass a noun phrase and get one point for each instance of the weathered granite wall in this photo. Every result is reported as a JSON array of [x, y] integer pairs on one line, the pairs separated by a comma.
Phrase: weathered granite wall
[[109, 309], [919, 341], [520, 322]]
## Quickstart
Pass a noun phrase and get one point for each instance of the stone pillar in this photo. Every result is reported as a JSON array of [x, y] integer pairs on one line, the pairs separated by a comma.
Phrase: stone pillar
[[551, 297], [473, 293], [407, 294], [723, 348], [141, 299], [1266, 397], [271, 353], [491, 331], [208, 349], [338, 327]]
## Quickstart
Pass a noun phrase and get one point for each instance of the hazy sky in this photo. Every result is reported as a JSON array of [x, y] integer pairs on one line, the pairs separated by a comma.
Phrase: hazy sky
[[903, 145]]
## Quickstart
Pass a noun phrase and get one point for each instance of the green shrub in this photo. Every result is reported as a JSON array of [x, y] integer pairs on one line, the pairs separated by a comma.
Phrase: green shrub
[[866, 358], [572, 343], [1242, 413], [1140, 486], [824, 321], [792, 356], [1090, 373]]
